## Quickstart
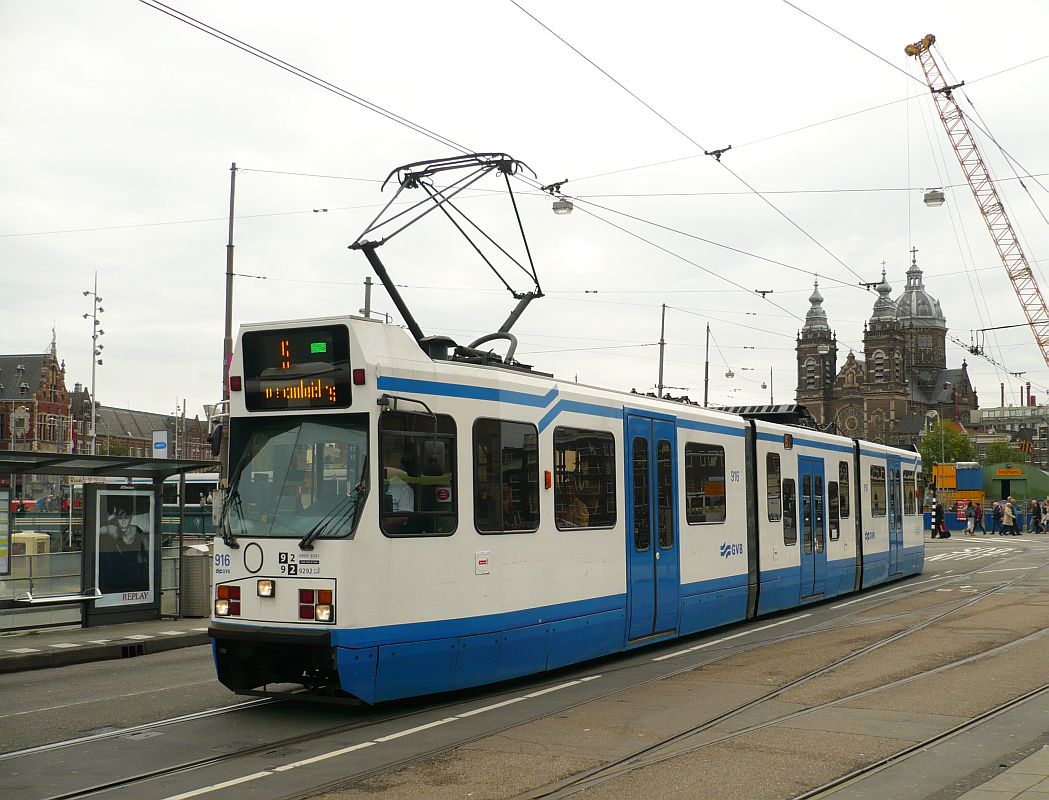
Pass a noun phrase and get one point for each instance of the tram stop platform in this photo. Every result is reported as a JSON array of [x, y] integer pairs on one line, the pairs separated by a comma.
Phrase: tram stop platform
[[60, 647]]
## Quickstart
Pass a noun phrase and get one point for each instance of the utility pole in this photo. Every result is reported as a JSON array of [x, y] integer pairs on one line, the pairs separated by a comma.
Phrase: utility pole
[[367, 310], [662, 346], [771, 401], [706, 370], [227, 342]]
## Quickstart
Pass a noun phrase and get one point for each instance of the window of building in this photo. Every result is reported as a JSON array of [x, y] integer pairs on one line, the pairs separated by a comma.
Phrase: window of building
[[506, 476], [790, 513], [879, 365], [843, 489], [584, 479], [833, 510], [879, 495], [772, 486], [810, 372], [909, 494], [418, 474], [704, 483]]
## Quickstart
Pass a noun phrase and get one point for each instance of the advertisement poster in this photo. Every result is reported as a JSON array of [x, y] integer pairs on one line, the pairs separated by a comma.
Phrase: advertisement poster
[[5, 531], [124, 568]]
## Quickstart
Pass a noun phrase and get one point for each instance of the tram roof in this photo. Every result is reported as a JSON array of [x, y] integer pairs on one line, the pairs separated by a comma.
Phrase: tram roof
[[19, 463]]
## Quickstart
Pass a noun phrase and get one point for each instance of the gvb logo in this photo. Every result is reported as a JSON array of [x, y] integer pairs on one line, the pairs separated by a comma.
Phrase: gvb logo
[[729, 550]]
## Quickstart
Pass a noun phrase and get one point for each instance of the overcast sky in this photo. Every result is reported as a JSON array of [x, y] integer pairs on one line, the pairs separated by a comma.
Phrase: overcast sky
[[121, 123]]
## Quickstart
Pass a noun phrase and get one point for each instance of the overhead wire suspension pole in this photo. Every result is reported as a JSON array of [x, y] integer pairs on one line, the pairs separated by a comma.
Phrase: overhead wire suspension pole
[[706, 370], [986, 193], [227, 342], [662, 345]]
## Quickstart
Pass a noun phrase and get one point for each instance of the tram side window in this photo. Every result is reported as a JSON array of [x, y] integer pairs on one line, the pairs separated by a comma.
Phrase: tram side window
[[584, 479], [910, 507], [843, 489], [772, 484], [879, 494], [790, 513], [417, 474], [704, 483], [833, 510], [506, 476]]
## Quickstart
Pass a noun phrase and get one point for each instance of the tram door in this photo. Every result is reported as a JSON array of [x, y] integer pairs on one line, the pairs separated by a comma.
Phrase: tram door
[[653, 564], [895, 514], [813, 526]]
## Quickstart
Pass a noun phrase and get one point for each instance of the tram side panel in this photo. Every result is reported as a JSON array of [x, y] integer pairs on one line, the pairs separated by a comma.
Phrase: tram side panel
[[480, 605], [712, 510]]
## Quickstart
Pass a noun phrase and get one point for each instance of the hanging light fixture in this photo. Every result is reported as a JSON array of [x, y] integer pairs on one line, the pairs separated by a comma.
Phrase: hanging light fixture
[[563, 206], [730, 374], [934, 198]]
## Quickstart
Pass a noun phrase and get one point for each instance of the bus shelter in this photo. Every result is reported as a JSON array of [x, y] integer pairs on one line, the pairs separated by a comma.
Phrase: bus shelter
[[120, 557]]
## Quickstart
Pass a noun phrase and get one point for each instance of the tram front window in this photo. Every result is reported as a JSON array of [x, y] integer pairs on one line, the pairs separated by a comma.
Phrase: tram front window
[[299, 476]]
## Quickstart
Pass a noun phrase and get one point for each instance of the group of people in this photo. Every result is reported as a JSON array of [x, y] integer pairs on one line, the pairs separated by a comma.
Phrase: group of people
[[1007, 518]]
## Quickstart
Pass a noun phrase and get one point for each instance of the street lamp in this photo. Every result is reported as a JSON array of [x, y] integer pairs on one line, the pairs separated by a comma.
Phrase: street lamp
[[96, 348], [934, 414]]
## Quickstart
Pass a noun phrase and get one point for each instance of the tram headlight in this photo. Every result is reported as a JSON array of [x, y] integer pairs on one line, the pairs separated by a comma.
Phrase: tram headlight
[[325, 612], [222, 608], [265, 588]]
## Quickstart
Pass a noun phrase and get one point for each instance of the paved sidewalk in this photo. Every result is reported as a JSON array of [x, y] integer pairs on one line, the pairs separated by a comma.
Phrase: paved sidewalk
[[59, 647]]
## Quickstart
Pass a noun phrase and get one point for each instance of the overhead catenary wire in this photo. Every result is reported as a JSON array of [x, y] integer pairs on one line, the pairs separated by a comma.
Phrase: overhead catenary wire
[[301, 73], [695, 143]]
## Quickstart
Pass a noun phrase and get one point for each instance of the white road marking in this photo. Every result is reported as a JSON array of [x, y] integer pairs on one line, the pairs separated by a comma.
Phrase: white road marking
[[416, 729], [216, 786], [727, 638], [484, 709], [24, 650], [552, 689], [138, 636], [171, 633], [63, 645], [887, 591], [1006, 569], [323, 756], [972, 553]]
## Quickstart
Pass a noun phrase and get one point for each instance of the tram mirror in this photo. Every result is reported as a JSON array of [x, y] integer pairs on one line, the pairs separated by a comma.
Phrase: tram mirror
[[433, 458], [215, 437]]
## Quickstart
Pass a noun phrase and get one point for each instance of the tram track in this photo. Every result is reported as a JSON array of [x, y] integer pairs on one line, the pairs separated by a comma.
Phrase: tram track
[[650, 754], [636, 759]]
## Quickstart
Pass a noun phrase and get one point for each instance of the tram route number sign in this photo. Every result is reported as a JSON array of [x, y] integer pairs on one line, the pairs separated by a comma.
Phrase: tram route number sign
[[298, 564]]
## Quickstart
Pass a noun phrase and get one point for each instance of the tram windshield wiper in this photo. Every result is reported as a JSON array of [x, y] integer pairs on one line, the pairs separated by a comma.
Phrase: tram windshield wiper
[[348, 507]]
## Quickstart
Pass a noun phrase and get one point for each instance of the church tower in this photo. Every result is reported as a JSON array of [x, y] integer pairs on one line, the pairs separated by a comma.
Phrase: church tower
[[884, 346], [817, 349]]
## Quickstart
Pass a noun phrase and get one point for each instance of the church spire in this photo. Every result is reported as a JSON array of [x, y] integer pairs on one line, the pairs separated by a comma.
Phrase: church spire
[[816, 317]]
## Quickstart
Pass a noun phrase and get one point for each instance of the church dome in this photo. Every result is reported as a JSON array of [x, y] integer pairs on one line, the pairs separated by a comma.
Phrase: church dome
[[917, 308], [816, 317]]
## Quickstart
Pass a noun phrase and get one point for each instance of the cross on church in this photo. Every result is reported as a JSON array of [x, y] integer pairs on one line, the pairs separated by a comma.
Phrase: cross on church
[[914, 255]]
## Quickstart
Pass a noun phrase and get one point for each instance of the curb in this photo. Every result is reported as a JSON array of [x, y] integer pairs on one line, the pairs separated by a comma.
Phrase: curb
[[110, 651]]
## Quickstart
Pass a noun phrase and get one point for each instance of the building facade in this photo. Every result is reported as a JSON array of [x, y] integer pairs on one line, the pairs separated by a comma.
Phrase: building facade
[[35, 408], [901, 384]]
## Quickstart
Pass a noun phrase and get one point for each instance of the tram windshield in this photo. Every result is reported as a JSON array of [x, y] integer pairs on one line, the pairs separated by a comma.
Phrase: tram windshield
[[299, 476]]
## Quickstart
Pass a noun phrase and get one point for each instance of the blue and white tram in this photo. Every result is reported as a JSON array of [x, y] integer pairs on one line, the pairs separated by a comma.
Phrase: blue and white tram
[[399, 524]]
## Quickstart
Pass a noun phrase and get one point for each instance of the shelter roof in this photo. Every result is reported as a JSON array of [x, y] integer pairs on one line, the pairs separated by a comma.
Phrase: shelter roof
[[36, 463]]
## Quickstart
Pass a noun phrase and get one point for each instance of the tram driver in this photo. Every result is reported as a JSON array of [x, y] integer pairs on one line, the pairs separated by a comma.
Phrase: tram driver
[[398, 495]]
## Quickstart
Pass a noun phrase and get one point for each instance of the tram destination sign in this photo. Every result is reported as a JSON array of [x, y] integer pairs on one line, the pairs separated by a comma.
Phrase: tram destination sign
[[297, 368]]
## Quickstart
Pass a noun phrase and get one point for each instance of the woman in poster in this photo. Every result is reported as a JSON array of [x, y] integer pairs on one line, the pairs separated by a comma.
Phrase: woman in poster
[[123, 546]]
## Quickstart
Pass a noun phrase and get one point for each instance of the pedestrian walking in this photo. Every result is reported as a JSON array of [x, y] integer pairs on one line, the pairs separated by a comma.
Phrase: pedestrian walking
[[970, 518], [1008, 518], [996, 517], [979, 519]]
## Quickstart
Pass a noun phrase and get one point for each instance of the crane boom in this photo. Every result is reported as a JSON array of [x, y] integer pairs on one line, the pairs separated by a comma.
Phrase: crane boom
[[986, 193]]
